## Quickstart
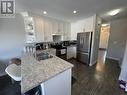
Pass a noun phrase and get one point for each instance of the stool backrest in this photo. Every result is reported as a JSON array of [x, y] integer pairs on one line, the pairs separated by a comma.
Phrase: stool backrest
[[14, 72]]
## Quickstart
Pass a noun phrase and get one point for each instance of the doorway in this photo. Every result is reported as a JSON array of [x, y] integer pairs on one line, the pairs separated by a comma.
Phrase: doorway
[[104, 38]]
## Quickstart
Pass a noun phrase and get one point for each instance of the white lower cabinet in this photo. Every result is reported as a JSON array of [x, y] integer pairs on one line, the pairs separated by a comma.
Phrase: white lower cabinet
[[58, 85], [71, 52]]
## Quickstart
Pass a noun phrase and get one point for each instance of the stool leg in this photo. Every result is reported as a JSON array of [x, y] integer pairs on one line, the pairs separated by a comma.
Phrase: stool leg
[[12, 81]]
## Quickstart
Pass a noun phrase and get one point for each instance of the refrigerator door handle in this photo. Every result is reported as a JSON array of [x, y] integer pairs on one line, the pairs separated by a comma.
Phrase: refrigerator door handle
[[83, 53]]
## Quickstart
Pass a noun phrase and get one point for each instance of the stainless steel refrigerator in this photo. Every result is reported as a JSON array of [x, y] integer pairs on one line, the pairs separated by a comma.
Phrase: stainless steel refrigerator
[[84, 42]]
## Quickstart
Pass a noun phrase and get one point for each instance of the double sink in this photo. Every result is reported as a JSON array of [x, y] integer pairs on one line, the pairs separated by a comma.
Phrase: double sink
[[43, 56]]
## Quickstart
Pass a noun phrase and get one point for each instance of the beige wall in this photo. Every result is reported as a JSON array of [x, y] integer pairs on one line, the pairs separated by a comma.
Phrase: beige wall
[[117, 39]]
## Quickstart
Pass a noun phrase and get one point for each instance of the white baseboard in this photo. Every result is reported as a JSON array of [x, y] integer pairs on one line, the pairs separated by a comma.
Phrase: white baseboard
[[117, 59], [91, 64]]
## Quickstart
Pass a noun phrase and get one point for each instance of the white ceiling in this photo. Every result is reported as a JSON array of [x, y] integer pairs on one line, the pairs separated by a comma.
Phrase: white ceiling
[[63, 9]]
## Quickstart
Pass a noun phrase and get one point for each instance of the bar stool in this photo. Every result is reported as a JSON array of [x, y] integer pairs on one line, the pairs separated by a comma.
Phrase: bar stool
[[14, 69], [14, 72]]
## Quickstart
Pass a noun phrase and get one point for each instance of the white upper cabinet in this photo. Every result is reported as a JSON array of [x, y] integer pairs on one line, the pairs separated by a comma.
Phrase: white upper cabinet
[[46, 27], [67, 33], [39, 29], [85, 25], [61, 28], [48, 31], [55, 27]]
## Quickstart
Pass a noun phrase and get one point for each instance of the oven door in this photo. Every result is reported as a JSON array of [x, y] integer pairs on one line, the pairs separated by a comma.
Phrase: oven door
[[62, 53]]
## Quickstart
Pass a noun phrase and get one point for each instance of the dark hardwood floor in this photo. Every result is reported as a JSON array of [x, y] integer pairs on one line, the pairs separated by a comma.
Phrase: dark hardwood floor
[[100, 79], [7, 88]]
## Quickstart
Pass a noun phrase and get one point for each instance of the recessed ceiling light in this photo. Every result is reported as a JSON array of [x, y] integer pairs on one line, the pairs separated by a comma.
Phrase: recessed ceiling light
[[45, 12], [104, 25], [74, 11], [114, 12]]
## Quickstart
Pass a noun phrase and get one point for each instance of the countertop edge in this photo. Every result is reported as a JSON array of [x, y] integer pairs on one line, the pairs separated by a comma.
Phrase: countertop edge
[[47, 79]]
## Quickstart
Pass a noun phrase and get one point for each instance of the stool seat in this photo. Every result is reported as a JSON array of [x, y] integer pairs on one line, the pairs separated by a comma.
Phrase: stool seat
[[14, 72]]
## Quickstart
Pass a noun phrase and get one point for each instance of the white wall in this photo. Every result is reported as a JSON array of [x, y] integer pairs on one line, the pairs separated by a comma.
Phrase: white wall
[[95, 40], [90, 24], [86, 24], [12, 37], [123, 74], [117, 39]]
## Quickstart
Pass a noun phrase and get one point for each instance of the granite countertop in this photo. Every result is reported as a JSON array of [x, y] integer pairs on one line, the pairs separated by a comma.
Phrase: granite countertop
[[36, 72]]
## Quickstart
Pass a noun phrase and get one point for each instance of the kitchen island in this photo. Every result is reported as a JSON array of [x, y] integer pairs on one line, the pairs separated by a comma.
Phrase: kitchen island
[[53, 74]]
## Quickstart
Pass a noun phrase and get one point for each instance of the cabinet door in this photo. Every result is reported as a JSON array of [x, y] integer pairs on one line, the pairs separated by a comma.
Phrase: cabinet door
[[67, 31], [54, 27], [71, 52], [64, 32], [47, 31], [82, 27], [39, 29], [60, 28], [58, 85]]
